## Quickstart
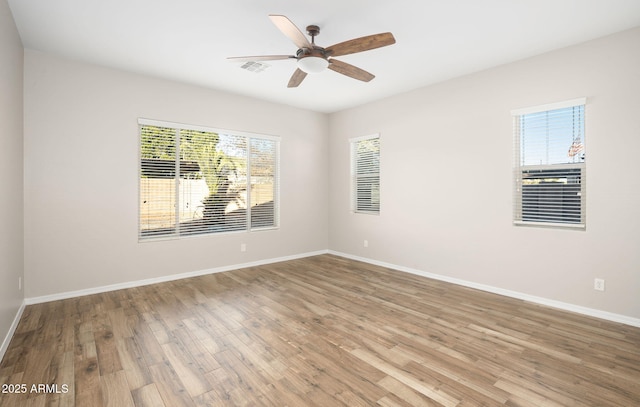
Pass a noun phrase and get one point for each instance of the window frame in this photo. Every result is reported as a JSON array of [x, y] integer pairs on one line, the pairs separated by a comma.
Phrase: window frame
[[558, 169], [353, 145], [176, 235]]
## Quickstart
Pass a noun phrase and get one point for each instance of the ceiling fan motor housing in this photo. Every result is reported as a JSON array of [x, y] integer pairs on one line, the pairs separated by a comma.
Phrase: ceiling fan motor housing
[[317, 52]]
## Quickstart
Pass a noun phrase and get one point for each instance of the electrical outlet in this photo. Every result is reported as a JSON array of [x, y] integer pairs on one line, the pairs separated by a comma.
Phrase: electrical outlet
[[366, 243], [243, 247], [598, 284]]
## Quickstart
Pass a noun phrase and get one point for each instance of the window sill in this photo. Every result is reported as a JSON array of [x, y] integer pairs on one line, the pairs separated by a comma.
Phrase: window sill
[[551, 225]]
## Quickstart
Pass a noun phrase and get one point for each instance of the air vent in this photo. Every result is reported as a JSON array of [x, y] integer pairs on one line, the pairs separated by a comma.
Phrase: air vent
[[256, 67]]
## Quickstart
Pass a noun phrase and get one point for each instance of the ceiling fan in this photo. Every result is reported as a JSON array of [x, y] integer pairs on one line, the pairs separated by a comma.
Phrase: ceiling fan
[[312, 58]]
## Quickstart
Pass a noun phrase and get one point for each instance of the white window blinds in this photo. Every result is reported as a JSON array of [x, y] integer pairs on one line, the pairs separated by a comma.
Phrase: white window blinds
[[196, 181], [550, 165], [365, 174]]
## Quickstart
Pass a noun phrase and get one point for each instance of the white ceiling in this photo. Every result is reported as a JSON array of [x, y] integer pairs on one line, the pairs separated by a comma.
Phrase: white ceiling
[[189, 40]]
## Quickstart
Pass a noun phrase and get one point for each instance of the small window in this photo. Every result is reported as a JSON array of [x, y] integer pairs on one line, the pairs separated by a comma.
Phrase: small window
[[196, 181], [365, 174], [550, 165]]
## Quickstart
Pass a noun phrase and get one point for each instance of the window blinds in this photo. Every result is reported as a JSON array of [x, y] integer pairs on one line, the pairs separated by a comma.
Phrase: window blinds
[[365, 173], [550, 164], [158, 195], [196, 181], [263, 182]]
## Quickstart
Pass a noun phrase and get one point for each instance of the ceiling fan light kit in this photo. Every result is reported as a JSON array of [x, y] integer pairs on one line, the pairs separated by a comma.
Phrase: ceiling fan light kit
[[314, 59], [313, 64]]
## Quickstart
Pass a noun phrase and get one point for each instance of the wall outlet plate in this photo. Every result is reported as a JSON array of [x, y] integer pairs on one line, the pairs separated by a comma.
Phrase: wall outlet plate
[[598, 284]]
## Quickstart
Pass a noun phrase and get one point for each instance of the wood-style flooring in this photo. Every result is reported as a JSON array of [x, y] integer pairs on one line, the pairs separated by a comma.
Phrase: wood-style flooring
[[321, 331]]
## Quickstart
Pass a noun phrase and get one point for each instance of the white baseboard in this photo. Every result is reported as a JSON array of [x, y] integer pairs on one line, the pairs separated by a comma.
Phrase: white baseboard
[[609, 316], [155, 280], [12, 330]]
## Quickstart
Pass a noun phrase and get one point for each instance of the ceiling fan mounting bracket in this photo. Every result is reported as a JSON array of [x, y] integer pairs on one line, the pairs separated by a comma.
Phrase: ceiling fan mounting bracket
[[313, 30]]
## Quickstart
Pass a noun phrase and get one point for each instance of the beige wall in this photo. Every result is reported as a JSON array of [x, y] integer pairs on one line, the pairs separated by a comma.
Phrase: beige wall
[[446, 183], [81, 169], [446, 178], [11, 238]]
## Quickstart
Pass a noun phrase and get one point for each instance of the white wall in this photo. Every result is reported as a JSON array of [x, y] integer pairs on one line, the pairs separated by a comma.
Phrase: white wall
[[11, 235], [446, 179], [81, 130]]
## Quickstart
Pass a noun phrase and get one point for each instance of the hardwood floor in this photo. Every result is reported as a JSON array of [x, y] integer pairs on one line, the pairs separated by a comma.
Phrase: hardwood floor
[[320, 331]]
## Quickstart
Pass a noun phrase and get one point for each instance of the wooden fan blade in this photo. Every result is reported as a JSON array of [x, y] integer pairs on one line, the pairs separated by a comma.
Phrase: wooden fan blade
[[261, 58], [361, 44], [297, 78], [290, 30], [350, 70]]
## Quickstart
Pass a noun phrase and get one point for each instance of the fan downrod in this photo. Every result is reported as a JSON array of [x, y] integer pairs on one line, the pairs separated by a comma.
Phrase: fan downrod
[[313, 30]]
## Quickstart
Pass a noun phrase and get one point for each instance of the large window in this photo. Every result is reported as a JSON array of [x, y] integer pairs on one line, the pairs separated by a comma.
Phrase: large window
[[550, 165], [196, 180], [365, 174]]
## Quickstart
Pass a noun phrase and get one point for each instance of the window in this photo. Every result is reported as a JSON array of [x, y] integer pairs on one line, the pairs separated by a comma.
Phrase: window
[[196, 181], [365, 174], [550, 165]]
